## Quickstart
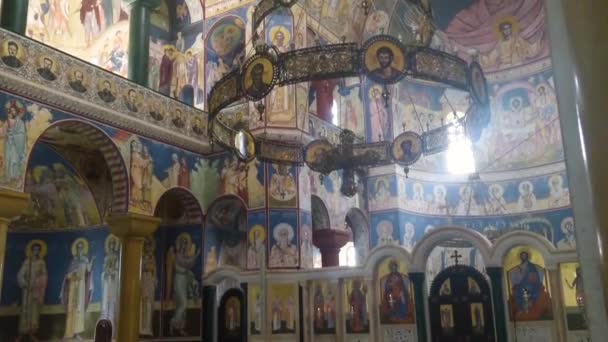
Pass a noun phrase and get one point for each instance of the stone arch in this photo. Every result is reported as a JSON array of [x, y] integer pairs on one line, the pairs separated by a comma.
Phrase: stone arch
[[423, 248], [103, 143], [319, 213], [192, 208]]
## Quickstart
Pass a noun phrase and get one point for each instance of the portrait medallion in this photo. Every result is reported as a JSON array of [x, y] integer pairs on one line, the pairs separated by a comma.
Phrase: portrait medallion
[[259, 76], [384, 59], [316, 153], [407, 148]]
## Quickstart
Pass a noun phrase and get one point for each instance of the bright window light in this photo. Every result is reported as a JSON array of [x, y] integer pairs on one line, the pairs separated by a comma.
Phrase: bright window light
[[460, 159], [348, 255], [334, 114]]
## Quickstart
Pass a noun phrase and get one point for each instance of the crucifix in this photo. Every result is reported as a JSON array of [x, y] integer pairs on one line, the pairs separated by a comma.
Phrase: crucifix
[[456, 256]]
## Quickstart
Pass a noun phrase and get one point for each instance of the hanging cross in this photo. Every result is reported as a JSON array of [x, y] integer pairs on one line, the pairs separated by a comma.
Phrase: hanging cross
[[456, 256]]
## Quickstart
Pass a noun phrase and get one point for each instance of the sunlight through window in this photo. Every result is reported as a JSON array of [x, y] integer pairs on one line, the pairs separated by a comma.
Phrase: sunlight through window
[[460, 159], [334, 114], [348, 255]]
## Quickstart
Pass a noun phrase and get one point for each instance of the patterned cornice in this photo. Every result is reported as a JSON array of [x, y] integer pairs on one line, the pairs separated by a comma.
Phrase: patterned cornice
[[26, 81]]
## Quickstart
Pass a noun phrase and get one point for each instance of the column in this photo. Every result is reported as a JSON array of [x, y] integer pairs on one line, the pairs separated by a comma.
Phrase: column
[[209, 293], [12, 204], [329, 242], [139, 39], [419, 298], [14, 15], [498, 302], [577, 30], [557, 302], [133, 229]]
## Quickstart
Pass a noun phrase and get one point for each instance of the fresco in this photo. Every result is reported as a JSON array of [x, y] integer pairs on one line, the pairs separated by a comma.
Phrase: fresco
[[406, 228], [329, 190], [226, 238], [341, 17], [224, 45], [502, 34], [324, 307], [256, 238], [283, 188], [356, 306], [573, 296], [283, 239], [255, 305], [306, 245], [534, 194], [54, 281], [396, 305], [280, 103], [282, 308], [96, 31], [182, 273], [527, 281], [60, 198]]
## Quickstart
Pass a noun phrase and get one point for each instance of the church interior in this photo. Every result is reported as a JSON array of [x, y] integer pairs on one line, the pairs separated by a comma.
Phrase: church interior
[[303, 170]]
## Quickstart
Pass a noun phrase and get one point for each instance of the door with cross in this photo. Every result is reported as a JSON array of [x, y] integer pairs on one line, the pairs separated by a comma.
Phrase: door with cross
[[460, 306]]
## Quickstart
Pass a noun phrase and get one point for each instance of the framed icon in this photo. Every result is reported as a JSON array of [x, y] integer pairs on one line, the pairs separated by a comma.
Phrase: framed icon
[[259, 77], [407, 148], [384, 59]]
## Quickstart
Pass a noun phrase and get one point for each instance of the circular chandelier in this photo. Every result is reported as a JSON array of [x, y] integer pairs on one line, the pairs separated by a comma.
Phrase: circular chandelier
[[383, 59]]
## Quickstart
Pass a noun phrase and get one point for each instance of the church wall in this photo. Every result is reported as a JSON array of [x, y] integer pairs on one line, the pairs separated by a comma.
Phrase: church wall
[[95, 31], [58, 257]]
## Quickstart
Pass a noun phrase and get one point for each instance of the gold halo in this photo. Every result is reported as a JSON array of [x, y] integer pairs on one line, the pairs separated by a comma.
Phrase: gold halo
[[506, 20], [112, 86], [72, 72], [43, 248], [107, 242], [257, 228], [85, 246], [188, 240], [277, 29], [371, 62]]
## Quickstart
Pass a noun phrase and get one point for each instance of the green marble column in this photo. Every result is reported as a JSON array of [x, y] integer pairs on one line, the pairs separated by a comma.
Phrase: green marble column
[[209, 309], [139, 39], [14, 15], [500, 320], [419, 298]]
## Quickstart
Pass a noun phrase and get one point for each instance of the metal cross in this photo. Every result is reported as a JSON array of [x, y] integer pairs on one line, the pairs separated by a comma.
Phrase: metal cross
[[456, 256]]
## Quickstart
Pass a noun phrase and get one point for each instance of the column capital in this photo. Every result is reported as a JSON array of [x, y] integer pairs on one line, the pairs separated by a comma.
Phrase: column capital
[[146, 3], [12, 203], [132, 225]]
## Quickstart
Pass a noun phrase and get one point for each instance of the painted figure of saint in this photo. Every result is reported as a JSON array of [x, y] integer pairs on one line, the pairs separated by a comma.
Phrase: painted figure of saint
[[385, 233], [32, 279], [77, 289], [282, 183], [527, 199], [13, 132], [569, 240], [109, 280], [283, 253], [148, 288], [511, 49], [306, 247], [529, 300], [319, 307], [395, 302], [379, 116], [496, 204], [558, 195], [358, 308], [180, 261], [276, 314], [69, 193], [256, 246], [408, 236]]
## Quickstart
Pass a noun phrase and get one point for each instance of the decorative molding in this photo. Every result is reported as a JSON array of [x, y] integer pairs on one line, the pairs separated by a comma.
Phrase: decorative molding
[[155, 116]]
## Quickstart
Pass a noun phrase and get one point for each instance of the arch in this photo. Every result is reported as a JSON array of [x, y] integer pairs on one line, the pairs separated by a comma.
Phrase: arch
[[359, 225], [110, 152], [220, 202], [319, 213], [387, 251], [423, 248], [192, 207], [505, 243]]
